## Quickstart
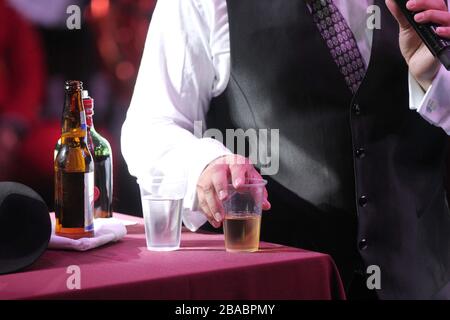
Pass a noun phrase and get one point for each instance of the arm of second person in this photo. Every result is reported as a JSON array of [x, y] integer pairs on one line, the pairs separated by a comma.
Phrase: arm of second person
[[172, 91]]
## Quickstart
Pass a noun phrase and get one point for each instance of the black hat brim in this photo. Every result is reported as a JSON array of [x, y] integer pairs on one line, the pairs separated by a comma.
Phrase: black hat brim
[[25, 227]]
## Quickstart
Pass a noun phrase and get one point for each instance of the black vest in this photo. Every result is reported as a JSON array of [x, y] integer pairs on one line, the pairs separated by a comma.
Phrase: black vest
[[360, 176]]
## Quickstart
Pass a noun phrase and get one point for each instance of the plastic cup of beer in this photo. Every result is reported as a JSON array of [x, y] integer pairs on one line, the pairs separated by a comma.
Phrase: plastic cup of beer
[[242, 221], [162, 206]]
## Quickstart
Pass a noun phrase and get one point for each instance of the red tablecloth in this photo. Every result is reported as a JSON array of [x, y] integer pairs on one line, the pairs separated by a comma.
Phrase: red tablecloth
[[201, 269]]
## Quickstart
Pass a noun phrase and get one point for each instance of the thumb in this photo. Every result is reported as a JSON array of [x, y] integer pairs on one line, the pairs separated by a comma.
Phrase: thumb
[[398, 14], [266, 205]]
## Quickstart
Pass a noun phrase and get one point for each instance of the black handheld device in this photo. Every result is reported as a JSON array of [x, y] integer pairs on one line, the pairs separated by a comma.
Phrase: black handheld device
[[438, 46]]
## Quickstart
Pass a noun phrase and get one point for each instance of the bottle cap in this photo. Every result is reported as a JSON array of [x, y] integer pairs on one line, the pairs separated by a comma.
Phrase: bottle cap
[[73, 85]]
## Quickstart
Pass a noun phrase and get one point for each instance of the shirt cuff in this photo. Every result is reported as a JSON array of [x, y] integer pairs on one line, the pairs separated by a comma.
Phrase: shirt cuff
[[416, 92], [205, 151], [434, 104]]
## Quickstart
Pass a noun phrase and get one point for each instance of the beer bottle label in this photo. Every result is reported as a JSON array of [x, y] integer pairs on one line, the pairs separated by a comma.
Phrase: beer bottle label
[[89, 201], [76, 208], [83, 120], [103, 183], [96, 195]]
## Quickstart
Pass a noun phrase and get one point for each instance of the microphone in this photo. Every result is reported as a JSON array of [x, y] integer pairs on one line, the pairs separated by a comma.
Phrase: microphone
[[438, 46], [25, 227]]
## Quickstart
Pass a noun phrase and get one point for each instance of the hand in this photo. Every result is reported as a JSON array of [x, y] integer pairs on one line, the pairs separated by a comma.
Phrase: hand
[[212, 184], [422, 64]]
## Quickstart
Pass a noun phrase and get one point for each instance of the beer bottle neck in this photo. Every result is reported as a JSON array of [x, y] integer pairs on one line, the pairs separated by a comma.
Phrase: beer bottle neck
[[89, 121], [74, 117], [88, 104]]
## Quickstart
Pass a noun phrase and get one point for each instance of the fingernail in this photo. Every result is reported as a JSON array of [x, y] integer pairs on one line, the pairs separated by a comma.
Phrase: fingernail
[[439, 29], [418, 17], [222, 195], [237, 182], [214, 223], [218, 217], [411, 4]]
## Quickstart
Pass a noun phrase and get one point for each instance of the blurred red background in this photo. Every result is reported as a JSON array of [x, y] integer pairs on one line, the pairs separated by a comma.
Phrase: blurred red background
[[38, 52]]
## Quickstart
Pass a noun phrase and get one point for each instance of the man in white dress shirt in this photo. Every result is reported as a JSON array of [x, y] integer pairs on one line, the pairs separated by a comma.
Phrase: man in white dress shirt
[[359, 162]]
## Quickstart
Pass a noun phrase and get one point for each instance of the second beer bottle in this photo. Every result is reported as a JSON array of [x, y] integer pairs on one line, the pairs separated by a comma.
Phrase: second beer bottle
[[102, 155], [74, 170]]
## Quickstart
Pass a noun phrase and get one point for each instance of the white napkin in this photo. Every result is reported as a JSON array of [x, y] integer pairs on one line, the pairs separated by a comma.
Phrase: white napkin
[[105, 230]]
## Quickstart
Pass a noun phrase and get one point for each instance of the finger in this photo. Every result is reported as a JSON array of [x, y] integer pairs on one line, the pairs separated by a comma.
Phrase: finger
[[254, 174], [398, 14], [205, 209], [210, 218], [434, 16], [220, 182], [266, 204], [214, 205], [443, 32], [203, 204], [421, 5], [238, 174], [214, 223]]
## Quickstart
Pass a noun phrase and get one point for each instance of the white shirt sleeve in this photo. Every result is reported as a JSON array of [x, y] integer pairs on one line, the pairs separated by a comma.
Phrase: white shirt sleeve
[[178, 76], [434, 104]]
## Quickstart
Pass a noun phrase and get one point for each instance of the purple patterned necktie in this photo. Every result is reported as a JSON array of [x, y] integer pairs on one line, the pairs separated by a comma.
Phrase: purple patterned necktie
[[340, 41]]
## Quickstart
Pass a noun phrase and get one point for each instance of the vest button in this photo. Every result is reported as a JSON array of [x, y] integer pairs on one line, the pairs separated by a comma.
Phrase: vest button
[[362, 201], [356, 109], [362, 245], [360, 153]]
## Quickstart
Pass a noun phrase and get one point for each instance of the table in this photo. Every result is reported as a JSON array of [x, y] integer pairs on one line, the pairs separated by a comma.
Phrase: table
[[201, 269]]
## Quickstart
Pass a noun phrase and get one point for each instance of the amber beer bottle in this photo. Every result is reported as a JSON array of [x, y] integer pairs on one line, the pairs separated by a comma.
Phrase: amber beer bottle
[[102, 154], [74, 170]]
